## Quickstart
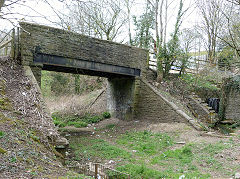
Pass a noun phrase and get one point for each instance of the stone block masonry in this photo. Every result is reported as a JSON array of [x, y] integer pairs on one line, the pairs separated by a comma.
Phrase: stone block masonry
[[233, 106], [230, 99], [151, 105]]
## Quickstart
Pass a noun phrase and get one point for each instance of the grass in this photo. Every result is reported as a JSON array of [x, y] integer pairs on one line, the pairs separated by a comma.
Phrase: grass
[[200, 82], [144, 154], [142, 171], [180, 156], [98, 148], [78, 121], [145, 142], [110, 126]]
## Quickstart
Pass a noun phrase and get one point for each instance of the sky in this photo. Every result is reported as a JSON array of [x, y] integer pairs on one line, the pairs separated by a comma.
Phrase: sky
[[37, 11]]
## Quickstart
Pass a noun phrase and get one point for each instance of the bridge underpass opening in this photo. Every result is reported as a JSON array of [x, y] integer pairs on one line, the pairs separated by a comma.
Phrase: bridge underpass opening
[[120, 80]]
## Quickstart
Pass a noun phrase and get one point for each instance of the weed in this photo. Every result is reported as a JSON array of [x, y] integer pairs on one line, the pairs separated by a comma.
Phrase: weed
[[2, 134], [110, 126], [13, 159], [106, 115]]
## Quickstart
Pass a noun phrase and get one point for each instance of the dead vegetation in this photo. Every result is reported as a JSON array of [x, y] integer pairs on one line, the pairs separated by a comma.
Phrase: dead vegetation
[[25, 128]]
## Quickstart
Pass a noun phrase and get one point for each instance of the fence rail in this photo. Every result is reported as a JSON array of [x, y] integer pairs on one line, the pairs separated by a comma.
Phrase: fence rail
[[195, 64], [9, 44], [98, 170]]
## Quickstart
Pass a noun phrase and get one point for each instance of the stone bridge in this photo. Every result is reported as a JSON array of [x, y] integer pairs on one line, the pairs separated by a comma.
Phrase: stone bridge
[[129, 95], [48, 48]]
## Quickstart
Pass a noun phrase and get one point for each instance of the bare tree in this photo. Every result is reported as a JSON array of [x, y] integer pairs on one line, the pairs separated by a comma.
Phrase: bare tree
[[128, 5], [230, 33], [211, 24], [99, 18]]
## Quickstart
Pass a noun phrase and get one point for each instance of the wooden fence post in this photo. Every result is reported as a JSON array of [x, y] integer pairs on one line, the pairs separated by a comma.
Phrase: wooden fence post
[[13, 44], [6, 50], [96, 170]]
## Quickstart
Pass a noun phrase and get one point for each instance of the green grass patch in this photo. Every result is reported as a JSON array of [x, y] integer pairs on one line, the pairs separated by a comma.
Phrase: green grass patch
[[98, 148], [145, 142], [76, 120], [142, 171], [179, 156]]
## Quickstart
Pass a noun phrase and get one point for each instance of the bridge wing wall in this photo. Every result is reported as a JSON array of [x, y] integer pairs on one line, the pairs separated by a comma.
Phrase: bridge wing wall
[[37, 38]]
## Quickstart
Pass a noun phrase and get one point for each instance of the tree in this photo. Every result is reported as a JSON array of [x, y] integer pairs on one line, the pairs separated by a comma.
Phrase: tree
[[168, 54], [144, 24], [128, 4], [1, 4], [230, 33], [211, 24], [187, 39], [103, 19]]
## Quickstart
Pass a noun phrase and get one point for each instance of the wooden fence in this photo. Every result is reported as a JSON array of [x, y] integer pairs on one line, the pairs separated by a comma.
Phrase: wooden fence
[[195, 64], [98, 171], [9, 44]]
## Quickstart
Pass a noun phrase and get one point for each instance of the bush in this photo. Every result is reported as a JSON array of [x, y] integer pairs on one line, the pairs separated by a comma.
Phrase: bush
[[106, 115], [77, 124]]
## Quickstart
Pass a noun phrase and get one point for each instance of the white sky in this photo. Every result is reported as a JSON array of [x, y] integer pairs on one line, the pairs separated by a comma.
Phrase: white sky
[[36, 11]]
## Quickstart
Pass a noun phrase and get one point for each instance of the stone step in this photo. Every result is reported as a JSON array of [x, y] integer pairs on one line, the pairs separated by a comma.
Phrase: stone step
[[227, 122]]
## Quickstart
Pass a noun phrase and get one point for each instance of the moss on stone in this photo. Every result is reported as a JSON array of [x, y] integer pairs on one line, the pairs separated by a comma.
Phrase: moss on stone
[[2, 151], [5, 104]]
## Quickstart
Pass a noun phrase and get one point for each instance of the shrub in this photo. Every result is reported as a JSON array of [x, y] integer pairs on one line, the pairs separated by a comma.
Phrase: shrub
[[106, 115]]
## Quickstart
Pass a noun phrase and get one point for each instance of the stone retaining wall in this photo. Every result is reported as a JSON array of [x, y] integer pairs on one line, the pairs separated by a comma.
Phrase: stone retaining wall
[[151, 105]]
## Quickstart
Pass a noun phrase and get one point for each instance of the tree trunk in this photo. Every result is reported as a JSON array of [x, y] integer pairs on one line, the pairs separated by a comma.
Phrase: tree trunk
[[77, 83], [1, 4]]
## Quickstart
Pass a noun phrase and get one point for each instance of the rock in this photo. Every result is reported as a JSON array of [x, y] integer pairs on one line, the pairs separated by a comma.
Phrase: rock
[[111, 161], [227, 121], [237, 176], [61, 143], [181, 142]]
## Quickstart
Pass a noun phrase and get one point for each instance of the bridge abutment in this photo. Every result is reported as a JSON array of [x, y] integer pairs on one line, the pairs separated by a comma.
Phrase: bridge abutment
[[37, 72], [120, 97]]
